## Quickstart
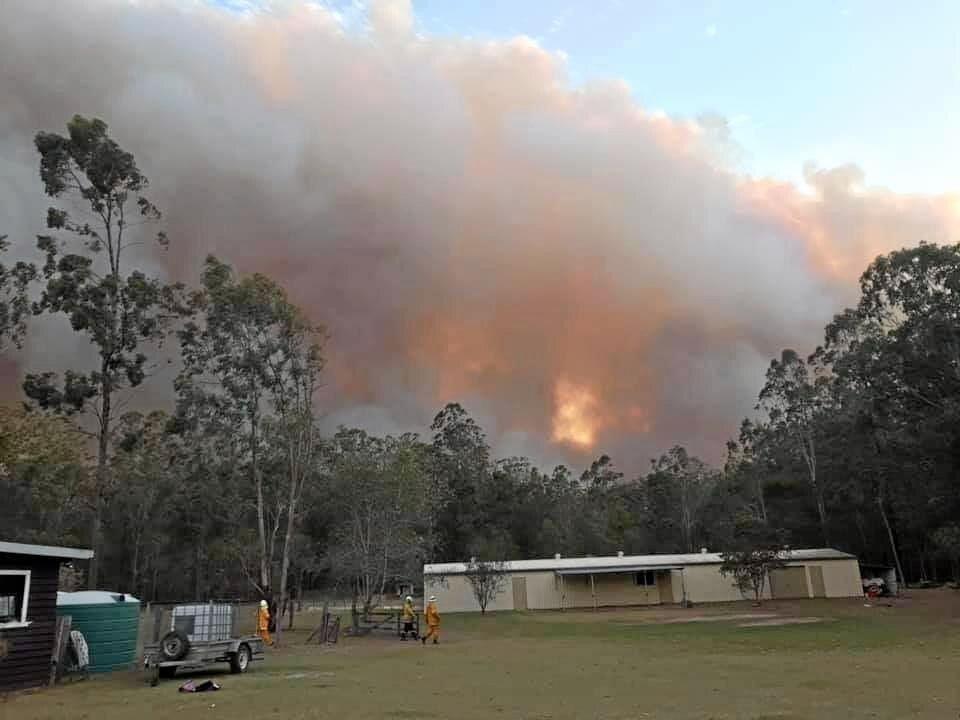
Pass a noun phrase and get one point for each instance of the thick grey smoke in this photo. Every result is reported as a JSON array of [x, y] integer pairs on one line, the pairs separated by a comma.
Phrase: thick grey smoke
[[582, 274]]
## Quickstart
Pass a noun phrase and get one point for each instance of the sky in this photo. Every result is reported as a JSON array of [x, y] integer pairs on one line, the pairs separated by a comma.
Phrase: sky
[[593, 224], [874, 82]]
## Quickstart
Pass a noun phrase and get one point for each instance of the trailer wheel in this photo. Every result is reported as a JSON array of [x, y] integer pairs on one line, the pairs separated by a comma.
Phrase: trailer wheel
[[174, 645], [240, 660], [167, 672]]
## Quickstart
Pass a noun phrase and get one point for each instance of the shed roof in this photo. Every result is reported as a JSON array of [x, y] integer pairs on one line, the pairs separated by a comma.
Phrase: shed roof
[[53, 551], [626, 563]]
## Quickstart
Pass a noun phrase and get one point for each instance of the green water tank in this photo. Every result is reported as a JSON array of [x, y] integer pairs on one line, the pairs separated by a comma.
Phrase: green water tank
[[109, 622]]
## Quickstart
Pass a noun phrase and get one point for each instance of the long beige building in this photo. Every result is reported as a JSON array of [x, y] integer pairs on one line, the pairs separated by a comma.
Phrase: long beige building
[[590, 582]]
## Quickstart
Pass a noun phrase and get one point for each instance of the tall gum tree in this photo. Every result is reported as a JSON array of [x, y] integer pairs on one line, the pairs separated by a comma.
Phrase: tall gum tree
[[87, 278], [252, 353]]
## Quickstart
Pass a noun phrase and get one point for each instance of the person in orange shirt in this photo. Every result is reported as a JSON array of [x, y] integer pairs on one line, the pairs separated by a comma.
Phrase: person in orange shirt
[[433, 621], [263, 622]]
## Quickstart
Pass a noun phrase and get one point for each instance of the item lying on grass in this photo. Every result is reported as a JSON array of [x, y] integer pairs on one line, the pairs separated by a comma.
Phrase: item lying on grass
[[206, 686], [80, 651]]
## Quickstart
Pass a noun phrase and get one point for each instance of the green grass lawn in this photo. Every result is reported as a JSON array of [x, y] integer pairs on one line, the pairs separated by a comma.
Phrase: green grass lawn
[[878, 662]]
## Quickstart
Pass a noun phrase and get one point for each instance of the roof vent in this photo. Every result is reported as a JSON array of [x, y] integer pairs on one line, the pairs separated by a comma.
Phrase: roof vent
[[703, 551], [619, 553], [557, 556]]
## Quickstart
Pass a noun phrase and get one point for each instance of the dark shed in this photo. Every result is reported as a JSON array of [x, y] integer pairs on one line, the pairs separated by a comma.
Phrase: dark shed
[[28, 610]]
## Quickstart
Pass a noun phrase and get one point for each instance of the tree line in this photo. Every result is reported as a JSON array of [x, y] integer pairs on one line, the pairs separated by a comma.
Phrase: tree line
[[233, 491]]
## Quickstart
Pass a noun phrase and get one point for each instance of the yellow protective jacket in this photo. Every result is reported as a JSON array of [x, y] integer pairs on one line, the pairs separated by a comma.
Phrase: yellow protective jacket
[[263, 620], [433, 615], [408, 613]]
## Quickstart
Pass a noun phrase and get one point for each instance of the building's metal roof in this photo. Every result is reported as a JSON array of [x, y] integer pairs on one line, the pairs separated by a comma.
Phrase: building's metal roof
[[66, 553], [626, 563]]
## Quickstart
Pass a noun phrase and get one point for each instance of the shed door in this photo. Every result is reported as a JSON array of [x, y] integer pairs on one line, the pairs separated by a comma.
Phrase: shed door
[[789, 582], [816, 581], [519, 593]]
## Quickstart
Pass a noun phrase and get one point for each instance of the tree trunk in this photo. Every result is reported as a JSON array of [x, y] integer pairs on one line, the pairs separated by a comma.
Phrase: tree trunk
[[761, 500], [288, 535], [354, 612], [822, 514], [135, 561], [808, 449], [685, 521], [94, 571], [103, 460], [197, 571], [261, 521], [277, 618], [893, 544], [861, 529]]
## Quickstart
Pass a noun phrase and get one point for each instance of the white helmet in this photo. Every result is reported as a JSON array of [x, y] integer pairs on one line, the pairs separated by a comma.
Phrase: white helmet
[[263, 604], [433, 598], [409, 599]]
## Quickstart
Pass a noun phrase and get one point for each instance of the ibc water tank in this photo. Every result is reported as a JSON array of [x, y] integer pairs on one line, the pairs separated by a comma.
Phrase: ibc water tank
[[109, 622]]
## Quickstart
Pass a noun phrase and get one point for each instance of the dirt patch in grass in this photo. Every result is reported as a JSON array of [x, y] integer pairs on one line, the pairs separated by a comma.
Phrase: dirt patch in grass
[[783, 621], [720, 618]]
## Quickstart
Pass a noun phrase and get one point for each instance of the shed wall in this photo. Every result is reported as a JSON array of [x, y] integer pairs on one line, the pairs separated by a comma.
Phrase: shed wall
[[543, 590], [455, 594], [841, 578], [25, 653], [706, 584], [790, 582]]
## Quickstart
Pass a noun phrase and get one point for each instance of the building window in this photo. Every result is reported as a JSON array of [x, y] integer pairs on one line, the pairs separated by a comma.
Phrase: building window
[[645, 578], [14, 598]]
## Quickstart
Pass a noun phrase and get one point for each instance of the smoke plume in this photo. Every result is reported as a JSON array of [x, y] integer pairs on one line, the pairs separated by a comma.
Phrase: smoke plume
[[583, 274]]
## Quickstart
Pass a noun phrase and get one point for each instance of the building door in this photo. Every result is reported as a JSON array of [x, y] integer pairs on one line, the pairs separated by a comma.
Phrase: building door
[[519, 593], [816, 581], [789, 582]]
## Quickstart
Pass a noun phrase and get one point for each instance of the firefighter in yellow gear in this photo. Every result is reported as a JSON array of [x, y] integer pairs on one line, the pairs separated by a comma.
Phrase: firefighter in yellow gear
[[408, 616], [263, 623], [432, 615]]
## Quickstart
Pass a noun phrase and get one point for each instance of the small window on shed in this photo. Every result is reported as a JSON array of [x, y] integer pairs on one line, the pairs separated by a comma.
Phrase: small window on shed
[[645, 578], [14, 597]]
